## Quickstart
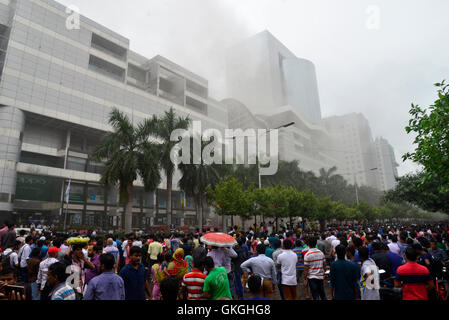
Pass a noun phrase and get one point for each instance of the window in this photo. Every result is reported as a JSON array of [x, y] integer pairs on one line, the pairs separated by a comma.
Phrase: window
[[41, 159], [95, 167], [95, 194], [4, 197], [196, 88], [136, 73], [77, 164], [106, 68], [108, 47], [196, 105]]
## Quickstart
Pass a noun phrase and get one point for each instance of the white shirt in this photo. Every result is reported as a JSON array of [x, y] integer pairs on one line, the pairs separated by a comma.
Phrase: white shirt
[[124, 247], [24, 253], [287, 260], [43, 270], [334, 244], [13, 257], [331, 238]]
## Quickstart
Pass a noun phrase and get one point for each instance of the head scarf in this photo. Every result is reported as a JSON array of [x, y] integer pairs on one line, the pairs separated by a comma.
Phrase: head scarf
[[178, 267]]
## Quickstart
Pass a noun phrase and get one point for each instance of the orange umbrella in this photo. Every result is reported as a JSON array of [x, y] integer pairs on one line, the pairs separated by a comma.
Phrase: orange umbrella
[[218, 239]]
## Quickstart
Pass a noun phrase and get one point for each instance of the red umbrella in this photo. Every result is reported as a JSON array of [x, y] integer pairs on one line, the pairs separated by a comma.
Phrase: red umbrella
[[218, 239]]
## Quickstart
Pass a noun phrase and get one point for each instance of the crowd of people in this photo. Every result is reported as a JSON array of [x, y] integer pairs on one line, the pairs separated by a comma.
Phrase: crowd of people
[[345, 262]]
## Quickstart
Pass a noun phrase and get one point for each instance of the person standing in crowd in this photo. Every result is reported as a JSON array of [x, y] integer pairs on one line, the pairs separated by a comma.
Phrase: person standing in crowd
[[169, 289], [369, 281], [157, 276], [414, 279], [24, 254], [8, 237], [217, 255], [216, 284], [78, 263], [174, 242], [43, 273], [110, 248], [107, 285], [394, 258], [33, 270], [381, 260], [229, 254], [134, 277], [238, 272], [10, 259], [154, 249], [277, 246], [344, 277], [287, 261], [265, 268], [268, 249], [94, 256], [393, 245], [56, 278], [193, 282], [314, 266]]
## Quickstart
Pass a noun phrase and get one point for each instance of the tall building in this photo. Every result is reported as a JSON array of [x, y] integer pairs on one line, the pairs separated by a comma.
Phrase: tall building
[[57, 88], [386, 163], [264, 75], [353, 147], [275, 87]]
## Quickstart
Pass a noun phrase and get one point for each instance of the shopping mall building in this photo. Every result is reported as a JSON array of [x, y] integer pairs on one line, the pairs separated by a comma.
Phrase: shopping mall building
[[59, 83]]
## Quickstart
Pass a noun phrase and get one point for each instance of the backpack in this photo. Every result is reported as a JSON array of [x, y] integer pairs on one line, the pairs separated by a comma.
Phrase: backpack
[[6, 263]]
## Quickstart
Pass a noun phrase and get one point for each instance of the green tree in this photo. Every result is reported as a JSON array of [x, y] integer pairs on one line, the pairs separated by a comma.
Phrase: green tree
[[128, 154], [162, 130], [228, 198], [424, 193], [196, 178], [431, 128]]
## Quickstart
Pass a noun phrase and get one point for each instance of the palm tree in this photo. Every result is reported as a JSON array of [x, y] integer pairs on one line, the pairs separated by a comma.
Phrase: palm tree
[[196, 178], [128, 154], [162, 130]]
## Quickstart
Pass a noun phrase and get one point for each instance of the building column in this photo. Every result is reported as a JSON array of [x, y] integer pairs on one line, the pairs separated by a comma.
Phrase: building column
[[12, 125]]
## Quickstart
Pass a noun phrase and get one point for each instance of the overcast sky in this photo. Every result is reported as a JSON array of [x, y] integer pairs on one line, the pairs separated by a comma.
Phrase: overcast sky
[[373, 57]]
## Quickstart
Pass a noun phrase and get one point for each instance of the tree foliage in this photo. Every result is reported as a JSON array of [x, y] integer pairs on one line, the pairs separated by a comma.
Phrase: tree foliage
[[431, 128], [128, 154]]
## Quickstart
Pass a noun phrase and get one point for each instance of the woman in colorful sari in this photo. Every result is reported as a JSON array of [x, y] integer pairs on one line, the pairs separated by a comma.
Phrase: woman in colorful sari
[[157, 276], [178, 267]]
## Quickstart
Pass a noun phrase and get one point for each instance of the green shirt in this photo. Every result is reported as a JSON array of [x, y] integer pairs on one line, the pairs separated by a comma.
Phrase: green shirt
[[217, 283]]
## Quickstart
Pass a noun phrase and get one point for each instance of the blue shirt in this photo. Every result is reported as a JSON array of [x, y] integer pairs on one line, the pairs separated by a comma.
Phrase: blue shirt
[[106, 286], [134, 280], [344, 278], [395, 260], [44, 250]]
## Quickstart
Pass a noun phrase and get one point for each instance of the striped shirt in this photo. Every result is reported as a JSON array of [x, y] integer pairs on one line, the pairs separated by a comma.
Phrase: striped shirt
[[194, 282], [314, 259], [300, 263], [63, 292]]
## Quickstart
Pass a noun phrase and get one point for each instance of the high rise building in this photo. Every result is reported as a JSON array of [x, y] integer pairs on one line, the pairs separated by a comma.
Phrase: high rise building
[[353, 147], [386, 163], [264, 75]]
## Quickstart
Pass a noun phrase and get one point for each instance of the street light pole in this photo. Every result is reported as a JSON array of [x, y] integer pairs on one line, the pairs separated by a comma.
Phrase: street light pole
[[258, 162], [355, 182]]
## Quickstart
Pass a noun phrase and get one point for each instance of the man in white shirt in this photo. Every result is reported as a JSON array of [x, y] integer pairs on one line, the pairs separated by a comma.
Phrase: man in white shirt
[[24, 254], [331, 237], [44, 265], [287, 261]]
